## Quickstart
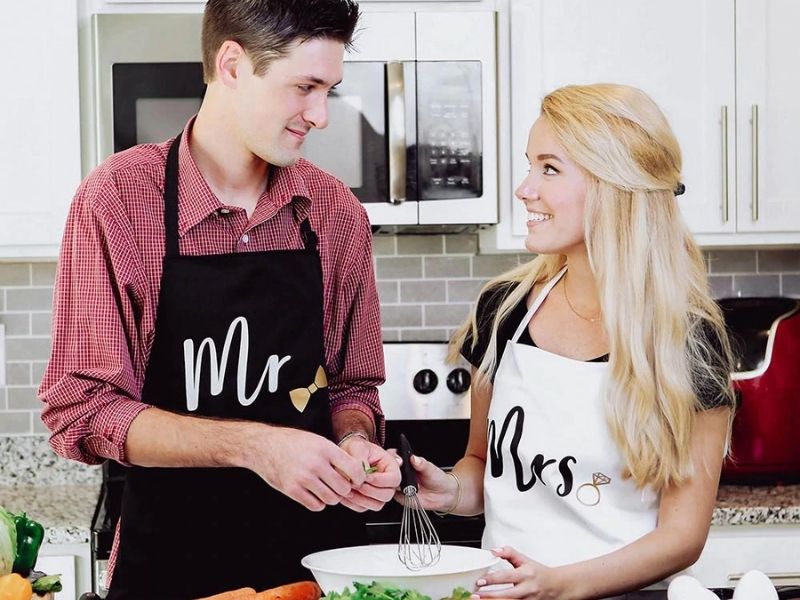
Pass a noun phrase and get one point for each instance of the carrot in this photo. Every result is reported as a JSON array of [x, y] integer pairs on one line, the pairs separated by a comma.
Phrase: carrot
[[240, 594], [302, 590]]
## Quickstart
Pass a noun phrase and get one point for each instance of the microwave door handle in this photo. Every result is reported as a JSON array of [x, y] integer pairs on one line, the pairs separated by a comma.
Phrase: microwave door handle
[[396, 125]]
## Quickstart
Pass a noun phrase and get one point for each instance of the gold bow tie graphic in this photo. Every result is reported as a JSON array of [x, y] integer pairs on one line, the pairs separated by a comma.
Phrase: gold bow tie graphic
[[301, 396]]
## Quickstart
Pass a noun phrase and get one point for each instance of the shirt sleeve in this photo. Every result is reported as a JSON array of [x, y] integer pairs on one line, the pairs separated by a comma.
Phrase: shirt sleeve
[[486, 309], [710, 370], [355, 355], [91, 387]]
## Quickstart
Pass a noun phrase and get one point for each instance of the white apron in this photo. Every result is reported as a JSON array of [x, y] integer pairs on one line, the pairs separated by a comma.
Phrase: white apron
[[553, 487]]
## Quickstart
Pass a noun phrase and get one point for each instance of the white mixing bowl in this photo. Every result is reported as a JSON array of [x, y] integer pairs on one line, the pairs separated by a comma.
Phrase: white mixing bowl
[[459, 566]]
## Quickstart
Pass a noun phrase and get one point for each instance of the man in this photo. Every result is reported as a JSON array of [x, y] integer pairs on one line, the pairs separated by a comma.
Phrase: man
[[216, 324]]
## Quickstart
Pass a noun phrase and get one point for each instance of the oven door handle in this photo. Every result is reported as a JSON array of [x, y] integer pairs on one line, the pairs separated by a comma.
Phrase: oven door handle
[[396, 125]]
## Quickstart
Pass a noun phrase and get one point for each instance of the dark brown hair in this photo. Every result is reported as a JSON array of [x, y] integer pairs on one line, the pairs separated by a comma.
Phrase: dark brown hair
[[267, 28]]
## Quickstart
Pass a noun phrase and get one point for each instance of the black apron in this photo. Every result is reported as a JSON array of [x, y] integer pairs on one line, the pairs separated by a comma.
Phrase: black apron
[[224, 329]]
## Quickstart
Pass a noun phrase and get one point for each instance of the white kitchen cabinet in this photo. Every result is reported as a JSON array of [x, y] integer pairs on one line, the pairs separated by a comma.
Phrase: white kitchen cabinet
[[768, 115], [684, 54], [72, 562], [732, 550], [40, 154]]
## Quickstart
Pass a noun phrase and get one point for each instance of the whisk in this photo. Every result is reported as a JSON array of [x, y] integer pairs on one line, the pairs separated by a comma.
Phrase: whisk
[[419, 545]]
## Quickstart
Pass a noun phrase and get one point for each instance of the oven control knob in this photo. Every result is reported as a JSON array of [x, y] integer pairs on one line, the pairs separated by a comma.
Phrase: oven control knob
[[458, 381], [425, 381]]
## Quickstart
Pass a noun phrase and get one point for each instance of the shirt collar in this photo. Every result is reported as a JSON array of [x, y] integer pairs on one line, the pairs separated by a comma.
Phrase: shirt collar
[[198, 201]]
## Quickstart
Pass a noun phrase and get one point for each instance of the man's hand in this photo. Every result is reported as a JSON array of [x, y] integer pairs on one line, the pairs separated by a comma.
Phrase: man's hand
[[382, 480], [306, 467]]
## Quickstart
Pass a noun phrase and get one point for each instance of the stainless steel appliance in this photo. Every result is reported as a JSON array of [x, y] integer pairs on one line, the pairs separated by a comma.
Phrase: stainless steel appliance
[[412, 127]]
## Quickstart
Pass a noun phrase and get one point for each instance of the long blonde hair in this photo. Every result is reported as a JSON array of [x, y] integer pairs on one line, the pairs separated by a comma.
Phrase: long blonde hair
[[657, 309]]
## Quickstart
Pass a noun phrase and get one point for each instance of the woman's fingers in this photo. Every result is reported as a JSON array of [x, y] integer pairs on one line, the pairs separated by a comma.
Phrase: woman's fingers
[[516, 558]]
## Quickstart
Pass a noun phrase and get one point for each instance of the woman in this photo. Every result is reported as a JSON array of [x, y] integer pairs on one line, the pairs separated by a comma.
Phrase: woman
[[602, 403]]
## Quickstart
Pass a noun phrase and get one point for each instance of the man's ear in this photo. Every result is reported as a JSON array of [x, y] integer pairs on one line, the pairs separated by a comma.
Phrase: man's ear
[[230, 58]]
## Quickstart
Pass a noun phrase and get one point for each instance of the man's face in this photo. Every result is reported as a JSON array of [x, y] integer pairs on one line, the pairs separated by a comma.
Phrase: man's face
[[276, 110]]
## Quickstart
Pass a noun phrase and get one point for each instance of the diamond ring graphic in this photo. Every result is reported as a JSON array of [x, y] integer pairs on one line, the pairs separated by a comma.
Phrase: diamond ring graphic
[[588, 494]]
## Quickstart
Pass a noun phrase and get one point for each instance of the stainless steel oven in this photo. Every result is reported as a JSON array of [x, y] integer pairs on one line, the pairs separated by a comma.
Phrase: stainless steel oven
[[412, 128]]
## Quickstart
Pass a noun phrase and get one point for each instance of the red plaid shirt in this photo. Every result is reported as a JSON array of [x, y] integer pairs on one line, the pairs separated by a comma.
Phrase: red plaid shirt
[[109, 276]]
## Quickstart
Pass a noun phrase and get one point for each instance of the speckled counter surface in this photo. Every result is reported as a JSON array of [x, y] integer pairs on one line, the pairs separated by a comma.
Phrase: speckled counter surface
[[64, 510], [751, 505]]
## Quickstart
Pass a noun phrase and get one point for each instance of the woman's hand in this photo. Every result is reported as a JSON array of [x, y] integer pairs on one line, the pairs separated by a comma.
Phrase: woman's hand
[[436, 489], [529, 579]]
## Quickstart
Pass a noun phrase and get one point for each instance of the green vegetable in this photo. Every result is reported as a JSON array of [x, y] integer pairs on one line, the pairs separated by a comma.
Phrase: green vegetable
[[30, 535], [8, 542], [376, 591], [47, 584]]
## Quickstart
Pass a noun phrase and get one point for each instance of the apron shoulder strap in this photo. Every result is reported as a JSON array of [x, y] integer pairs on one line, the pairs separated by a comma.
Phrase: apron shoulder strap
[[171, 199], [537, 303]]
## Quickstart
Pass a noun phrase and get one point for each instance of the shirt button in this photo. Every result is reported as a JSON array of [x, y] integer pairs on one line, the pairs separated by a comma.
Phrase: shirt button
[[224, 211], [245, 238]]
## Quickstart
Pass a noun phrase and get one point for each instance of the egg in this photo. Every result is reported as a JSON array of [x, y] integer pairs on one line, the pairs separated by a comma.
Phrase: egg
[[754, 585], [684, 587]]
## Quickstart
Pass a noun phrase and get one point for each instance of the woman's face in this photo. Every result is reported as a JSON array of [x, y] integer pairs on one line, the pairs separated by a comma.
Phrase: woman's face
[[554, 194]]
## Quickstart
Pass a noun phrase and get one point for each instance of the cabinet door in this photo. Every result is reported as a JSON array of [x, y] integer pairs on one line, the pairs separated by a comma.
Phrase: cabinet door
[[39, 124], [768, 121], [63, 565], [680, 52]]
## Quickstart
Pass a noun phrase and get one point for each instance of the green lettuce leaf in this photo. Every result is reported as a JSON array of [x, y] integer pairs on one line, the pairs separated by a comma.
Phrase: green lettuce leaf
[[8, 542]]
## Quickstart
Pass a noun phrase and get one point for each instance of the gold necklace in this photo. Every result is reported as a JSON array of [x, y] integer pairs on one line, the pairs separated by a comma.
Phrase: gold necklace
[[572, 308]]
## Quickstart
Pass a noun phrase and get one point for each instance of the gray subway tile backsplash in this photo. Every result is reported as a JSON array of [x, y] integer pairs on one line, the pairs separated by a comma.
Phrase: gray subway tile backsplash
[[423, 291], [15, 274], [29, 299], [16, 422], [16, 323], [401, 315], [756, 285], [420, 244], [43, 273], [777, 261], [426, 285], [446, 267], [790, 285], [398, 267], [721, 285], [18, 373], [388, 291], [732, 261], [22, 398], [383, 245]]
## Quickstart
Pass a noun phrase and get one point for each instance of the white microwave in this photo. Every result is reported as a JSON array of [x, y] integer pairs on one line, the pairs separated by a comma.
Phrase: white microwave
[[412, 127]]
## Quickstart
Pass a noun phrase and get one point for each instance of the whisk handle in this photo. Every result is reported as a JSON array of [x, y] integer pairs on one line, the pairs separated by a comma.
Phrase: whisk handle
[[407, 472]]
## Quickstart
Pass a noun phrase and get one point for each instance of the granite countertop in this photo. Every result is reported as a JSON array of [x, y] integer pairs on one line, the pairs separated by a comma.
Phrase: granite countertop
[[64, 510], [757, 505]]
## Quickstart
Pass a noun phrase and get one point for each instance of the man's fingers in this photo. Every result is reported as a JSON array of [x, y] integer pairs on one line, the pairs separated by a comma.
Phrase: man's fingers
[[349, 467], [367, 503]]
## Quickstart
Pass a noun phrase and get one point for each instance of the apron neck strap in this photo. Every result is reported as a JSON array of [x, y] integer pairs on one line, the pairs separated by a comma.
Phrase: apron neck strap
[[537, 303], [171, 199]]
